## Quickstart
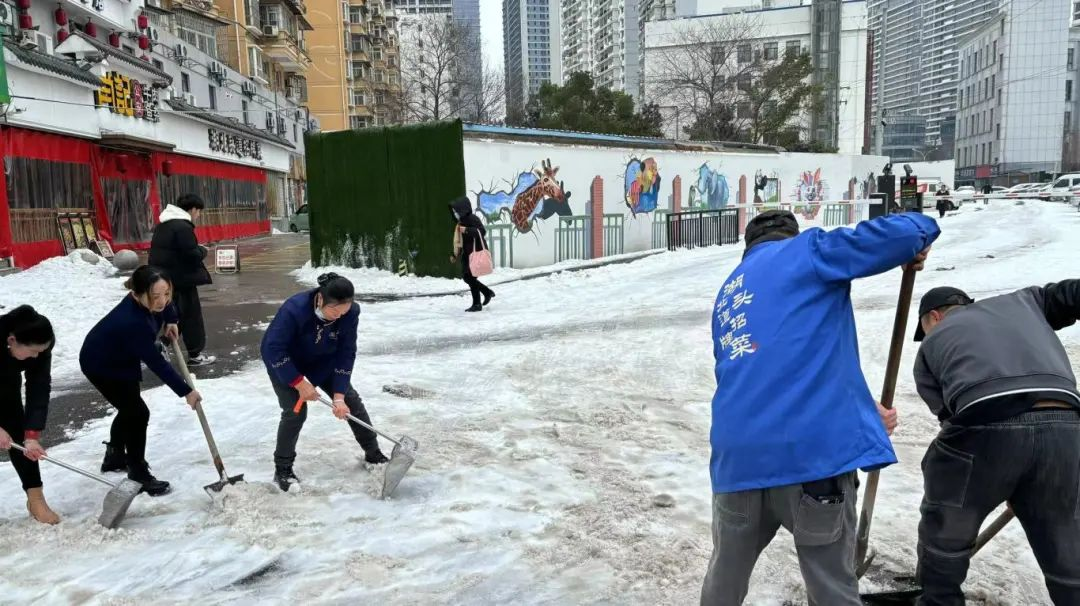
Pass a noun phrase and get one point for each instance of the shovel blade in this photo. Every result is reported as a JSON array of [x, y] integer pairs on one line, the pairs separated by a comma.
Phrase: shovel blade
[[117, 502], [401, 459], [222, 483], [905, 592]]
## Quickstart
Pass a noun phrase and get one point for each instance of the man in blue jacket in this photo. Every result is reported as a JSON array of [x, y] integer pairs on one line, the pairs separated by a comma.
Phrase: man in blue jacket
[[793, 418]]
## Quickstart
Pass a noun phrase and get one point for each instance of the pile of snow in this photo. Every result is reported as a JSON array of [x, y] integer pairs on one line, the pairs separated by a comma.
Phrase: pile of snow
[[372, 281], [563, 453], [73, 294]]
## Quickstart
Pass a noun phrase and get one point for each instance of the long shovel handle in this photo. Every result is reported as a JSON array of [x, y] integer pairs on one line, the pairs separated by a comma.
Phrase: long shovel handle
[[892, 369], [218, 463], [70, 467], [991, 531], [361, 423]]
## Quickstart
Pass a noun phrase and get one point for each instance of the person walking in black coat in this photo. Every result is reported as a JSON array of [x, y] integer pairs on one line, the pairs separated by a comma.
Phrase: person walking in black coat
[[469, 236], [112, 357], [943, 201], [175, 249], [27, 354]]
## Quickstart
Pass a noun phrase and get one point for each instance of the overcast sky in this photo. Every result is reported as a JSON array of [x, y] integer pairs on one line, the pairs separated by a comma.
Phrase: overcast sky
[[491, 31]]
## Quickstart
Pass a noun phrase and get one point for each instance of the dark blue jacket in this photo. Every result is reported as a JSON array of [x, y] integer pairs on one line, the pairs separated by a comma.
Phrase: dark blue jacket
[[126, 336], [297, 344], [791, 403]]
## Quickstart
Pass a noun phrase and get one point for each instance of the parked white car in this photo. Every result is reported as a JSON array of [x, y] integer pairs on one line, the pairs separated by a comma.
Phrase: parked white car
[[963, 193], [1061, 190]]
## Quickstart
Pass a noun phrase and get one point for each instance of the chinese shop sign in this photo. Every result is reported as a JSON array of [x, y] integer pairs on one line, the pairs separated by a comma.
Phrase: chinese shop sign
[[234, 145], [127, 97]]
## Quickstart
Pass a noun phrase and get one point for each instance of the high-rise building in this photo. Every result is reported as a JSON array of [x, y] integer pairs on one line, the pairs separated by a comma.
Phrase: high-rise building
[[917, 73], [356, 80], [266, 42], [531, 50], [650, 10], [603, 39]]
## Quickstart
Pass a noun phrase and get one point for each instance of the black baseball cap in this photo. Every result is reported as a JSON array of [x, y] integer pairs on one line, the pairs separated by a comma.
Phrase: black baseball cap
[[936, 298], [771, 225]]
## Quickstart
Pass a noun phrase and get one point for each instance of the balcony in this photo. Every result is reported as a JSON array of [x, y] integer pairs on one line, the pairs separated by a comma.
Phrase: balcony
[[283, 48]]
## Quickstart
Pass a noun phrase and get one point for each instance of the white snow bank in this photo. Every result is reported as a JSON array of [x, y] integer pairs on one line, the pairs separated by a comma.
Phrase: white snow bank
[[73, 294]]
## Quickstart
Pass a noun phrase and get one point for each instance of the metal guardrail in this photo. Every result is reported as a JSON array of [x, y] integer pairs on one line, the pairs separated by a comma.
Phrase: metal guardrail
[[613, 234], [571, 238], [696, 228]]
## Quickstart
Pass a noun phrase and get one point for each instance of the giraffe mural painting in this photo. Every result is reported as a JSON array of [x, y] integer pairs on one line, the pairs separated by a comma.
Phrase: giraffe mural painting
[[533, 195], [642, 185]]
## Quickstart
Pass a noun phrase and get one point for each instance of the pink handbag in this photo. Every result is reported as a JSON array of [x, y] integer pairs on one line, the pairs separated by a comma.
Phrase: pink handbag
[[480, 263]]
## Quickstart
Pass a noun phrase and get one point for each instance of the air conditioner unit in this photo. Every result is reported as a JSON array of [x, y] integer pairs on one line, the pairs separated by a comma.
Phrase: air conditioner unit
[[270, 30], [248, 88], [7, 15], [181, 50], [270, 121], [44, 43], [189, 98], [153, 33], [28, 38]]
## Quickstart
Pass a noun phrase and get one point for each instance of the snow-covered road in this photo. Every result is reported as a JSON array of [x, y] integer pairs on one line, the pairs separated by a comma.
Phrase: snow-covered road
[[558, 416]]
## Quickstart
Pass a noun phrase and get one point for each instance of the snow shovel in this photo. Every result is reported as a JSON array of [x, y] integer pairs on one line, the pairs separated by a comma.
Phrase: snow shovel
[[116, 501], [909, 590], [223, 478], [892, 369], [401, 458]]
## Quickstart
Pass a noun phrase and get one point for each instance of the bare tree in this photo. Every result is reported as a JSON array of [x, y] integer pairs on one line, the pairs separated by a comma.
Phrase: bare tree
[[487, 98], [441, 75]]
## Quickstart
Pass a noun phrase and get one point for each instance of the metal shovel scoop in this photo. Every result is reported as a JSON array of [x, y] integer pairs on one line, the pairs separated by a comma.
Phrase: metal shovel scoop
[[401, 458], [117, 500]]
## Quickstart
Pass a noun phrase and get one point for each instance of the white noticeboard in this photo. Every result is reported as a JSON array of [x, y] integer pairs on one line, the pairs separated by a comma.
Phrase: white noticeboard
[[227, 259]]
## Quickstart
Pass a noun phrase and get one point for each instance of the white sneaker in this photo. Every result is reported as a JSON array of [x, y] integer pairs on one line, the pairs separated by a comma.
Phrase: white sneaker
[[201, 360]]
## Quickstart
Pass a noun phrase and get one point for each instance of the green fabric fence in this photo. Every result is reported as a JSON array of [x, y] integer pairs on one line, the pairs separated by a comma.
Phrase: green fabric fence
[[378, 197]]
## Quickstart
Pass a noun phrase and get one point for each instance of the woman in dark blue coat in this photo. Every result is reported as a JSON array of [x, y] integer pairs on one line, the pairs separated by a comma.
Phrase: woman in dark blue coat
[[312, 343], [111, 358]]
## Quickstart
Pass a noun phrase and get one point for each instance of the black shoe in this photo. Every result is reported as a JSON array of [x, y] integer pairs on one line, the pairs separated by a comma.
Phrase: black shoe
[[150, 485], [487, 299], [375, 458], [115, 459], [284, 478], [475, 308]]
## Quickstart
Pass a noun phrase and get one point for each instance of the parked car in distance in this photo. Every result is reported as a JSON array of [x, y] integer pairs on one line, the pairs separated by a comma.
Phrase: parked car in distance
[[300, 220], [1061, 190]]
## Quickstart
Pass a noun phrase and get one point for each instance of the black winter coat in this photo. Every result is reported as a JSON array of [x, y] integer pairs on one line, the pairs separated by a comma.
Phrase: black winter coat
[[475, 232], [175, 249], [38, 374]]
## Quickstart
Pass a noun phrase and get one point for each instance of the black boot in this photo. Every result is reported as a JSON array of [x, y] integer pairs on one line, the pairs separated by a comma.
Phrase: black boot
[[475, 307], [115, 459], [487, 298], [284, 478], [150, 485], [375, 457]]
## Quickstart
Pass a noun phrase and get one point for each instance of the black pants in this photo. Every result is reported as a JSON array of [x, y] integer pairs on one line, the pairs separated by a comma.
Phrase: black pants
[[132, 417], [292, 422], [476, 288], [192, 328], [941, 213], [12, 421], [1033, 462]]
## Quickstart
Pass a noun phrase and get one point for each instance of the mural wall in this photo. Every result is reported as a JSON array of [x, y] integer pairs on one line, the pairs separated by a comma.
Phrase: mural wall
[[523, 190]]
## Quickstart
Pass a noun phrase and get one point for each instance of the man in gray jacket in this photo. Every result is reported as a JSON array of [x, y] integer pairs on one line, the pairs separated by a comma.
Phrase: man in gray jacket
[[999, 379]]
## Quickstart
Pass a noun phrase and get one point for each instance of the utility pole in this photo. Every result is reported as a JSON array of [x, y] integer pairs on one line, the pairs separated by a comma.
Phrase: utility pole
[[879, 128]]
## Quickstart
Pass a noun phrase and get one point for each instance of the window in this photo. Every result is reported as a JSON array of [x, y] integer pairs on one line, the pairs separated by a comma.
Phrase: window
[[994, 56], [993, 85], [356, 14], [380, 99], [357, 122], [1068, 90], [1068, 121], [198, 32], [791, 48], [745, 82], [999, 130], [718, 83], [717, 55], [358, 98], [256, 64], [185, 82], [244, 111], [742, 110], [376, 54], [743, 52], [988, 124], [358, 70], [772, 51], [213, 97]]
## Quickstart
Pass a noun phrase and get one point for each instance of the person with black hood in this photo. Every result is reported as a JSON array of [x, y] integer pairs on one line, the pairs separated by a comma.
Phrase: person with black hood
[[311, 342], [792, 417], [1000, 381], [469, 236], [175, 248], [943, 202], [112, 356], [27, 354]]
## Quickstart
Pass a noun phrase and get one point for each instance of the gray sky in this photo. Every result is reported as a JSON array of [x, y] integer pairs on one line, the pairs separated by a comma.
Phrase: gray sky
[[491, 33]]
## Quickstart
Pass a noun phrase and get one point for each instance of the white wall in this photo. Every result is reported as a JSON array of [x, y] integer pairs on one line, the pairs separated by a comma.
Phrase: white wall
[[70, 113], [494, 165]]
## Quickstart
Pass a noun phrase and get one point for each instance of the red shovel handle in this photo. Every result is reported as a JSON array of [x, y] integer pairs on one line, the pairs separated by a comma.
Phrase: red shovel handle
[[299, 405]]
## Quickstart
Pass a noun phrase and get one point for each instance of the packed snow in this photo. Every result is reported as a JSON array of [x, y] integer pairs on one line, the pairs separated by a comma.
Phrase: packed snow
[[563, 452]]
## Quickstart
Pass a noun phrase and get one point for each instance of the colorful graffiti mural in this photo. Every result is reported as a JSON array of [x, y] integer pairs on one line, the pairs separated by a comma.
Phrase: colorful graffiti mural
[[642, 185], [812, 190], [534, 195], [710, 191], [766, 188]]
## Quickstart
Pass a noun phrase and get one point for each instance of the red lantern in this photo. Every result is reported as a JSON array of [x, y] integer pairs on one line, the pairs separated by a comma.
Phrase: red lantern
[[144, 41], [114, 40], [26, 22], [166, 168], [61, 17], [143, 21], [23, 4], [61, 35], [90, 29]]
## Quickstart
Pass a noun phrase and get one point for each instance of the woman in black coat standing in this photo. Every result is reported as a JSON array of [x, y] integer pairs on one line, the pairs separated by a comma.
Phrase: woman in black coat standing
[[26, 355], [471, 232]]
